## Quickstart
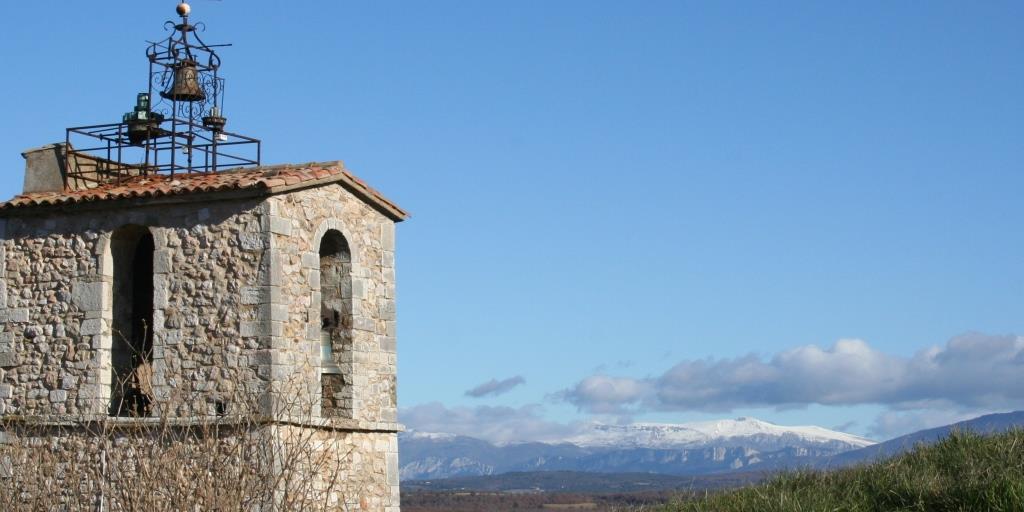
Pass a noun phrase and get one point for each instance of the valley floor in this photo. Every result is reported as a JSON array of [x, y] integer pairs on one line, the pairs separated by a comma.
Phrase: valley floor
[[450, 501]]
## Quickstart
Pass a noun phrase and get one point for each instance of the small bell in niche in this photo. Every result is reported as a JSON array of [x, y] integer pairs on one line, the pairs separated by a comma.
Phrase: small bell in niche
[[185, 84]]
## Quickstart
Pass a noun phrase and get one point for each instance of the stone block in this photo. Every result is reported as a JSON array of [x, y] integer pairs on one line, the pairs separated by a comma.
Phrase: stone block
[[252, 241], [58, 395], [252, 295], [365, 324], [249, 329], [6, 391], [387, 236], [91, 327], [276, 268], [281, 373], [274, 296], [386, 309], [311, 260], [392, 471], [3, 290], [279, 312], [358, 289], [19, 315], [280, 225], [172, 337], [263, 357], [87, 296], [277, 328], [161, 293], [162, 262]]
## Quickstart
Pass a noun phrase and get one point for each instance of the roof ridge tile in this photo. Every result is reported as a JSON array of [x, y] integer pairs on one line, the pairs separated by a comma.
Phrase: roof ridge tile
[[264, 177]]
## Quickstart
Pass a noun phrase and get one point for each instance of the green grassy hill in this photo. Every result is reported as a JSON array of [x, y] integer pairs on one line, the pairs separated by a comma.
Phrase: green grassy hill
[[964, 472]]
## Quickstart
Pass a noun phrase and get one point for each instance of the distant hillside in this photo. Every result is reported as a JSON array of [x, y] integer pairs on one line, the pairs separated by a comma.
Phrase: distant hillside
[[989, 424], [963, 472]]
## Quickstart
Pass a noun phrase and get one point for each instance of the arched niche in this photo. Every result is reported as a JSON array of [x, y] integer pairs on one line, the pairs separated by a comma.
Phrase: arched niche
[[131, 353], [335, 324]]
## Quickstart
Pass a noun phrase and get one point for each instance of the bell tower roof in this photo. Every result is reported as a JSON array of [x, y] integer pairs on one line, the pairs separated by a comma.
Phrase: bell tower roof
[[244, 182]]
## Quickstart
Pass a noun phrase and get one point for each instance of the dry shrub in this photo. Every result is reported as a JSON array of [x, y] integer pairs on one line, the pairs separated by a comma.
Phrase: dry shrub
[[237, 460]]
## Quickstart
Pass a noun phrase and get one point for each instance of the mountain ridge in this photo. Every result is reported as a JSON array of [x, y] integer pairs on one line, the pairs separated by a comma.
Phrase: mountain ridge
[[674, 449]]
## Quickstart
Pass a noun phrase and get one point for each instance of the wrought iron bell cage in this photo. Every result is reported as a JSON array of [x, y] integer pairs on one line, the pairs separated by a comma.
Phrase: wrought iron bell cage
[[177, 125]]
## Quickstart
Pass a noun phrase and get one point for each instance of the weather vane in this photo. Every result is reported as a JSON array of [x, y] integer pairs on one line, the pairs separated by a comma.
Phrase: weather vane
[[178, 129]]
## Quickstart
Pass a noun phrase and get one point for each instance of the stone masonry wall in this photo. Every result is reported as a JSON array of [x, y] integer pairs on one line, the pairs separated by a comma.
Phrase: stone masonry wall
[[236, 317], [359, 474], [298, 222], [208, 467], [55, 306]]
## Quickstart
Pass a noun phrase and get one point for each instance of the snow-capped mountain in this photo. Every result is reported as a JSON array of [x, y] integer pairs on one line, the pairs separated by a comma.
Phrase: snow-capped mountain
[[738, 432], [681, 449]]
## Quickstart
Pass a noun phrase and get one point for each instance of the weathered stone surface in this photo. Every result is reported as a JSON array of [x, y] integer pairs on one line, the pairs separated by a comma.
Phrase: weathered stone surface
[[59, 297], [237, 312], [369, 235], [91, 327], [87, 296], [280, 226], [253, 295], [9, 359], [17, 315], [163, 261]]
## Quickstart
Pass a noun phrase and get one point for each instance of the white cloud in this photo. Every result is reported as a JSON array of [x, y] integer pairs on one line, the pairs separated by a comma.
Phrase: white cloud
[[973, 371], [606, 395], [495, 424]]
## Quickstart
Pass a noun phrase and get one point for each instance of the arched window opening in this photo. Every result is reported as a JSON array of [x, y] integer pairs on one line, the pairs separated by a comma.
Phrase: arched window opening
[[132, 330], [335, 324]]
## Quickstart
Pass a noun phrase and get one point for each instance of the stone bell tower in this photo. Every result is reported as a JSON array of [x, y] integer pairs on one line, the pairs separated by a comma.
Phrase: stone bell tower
[[156, 270]]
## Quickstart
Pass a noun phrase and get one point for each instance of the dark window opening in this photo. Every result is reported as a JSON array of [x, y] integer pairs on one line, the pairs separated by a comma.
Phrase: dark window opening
[[132, 330], [335, 324]]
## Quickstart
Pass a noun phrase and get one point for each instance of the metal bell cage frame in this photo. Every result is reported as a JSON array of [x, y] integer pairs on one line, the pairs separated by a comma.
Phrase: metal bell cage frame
[[192, 94]]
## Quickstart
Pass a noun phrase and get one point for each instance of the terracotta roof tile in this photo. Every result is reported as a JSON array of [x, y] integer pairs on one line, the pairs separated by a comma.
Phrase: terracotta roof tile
[[268, 179]]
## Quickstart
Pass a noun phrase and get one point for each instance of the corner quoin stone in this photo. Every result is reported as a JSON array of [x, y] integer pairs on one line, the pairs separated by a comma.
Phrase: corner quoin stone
[[87, 296]]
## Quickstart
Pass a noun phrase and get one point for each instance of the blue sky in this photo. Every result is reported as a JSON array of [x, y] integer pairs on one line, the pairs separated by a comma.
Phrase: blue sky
[[614, 191]]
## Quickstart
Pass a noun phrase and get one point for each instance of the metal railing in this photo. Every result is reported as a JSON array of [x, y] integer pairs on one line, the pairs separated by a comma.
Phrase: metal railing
[[105, 152]]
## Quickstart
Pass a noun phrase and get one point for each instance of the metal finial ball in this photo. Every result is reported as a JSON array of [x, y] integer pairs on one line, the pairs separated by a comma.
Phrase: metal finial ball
[[184, 9]]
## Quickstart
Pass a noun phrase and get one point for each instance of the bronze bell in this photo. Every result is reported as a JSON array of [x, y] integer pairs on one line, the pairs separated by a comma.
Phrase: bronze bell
[[185, 86]]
